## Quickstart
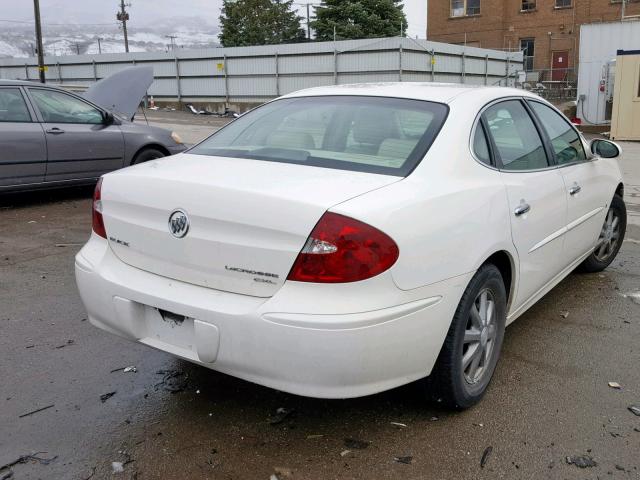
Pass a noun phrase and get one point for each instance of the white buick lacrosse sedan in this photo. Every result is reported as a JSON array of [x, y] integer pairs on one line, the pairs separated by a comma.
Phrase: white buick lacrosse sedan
[[341, 241]]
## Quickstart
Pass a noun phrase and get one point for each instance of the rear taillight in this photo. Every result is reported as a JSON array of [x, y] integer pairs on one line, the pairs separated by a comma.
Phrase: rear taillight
[[342, 249], [98, 222]]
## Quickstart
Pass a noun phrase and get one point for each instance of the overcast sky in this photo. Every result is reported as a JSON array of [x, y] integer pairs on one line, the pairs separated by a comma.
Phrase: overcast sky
[[144, 12]]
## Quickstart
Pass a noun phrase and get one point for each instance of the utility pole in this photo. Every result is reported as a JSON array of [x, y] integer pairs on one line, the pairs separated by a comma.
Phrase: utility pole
[[173, 43], [308, 28], [99, 46], [123, 16], [36, 12], [77, 48]]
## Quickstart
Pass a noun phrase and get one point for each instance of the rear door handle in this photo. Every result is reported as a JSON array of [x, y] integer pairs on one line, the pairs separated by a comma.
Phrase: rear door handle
[[575, 189], [55, 131], [521, 209]]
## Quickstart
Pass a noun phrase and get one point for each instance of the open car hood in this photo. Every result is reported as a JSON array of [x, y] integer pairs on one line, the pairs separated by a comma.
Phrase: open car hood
[[122, 91]]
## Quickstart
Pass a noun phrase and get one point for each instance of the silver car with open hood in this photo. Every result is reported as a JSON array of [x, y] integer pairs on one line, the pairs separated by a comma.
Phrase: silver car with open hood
[[50, 137]]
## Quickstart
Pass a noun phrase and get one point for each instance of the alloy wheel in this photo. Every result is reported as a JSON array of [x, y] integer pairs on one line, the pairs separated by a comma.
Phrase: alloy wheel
[[479, 337], [609, 237]]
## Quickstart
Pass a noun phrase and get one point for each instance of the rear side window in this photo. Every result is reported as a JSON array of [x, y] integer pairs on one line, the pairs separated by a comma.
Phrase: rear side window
[[518, 144], [12, 106], [480, 145], [566, 143], [368, 134]]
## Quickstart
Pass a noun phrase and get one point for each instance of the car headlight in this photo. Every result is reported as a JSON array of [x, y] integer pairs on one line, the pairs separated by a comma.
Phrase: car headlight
[[176, 138]]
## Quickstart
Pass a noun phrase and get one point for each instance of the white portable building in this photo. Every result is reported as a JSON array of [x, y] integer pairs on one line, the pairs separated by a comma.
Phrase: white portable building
[[599, 43]]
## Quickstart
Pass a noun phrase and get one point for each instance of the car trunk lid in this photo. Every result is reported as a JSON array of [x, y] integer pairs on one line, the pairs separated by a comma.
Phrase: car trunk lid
[[248, 219]]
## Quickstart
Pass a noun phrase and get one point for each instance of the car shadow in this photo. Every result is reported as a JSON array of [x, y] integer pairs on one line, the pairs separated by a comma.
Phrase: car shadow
[[276, 407]]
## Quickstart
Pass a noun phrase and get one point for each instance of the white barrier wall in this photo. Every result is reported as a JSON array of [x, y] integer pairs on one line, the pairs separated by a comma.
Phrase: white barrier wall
[[256, 74]]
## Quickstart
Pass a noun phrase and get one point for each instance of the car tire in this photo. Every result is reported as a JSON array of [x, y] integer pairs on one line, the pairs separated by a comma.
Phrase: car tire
[[610, 238], [458, 380], [146, 155]]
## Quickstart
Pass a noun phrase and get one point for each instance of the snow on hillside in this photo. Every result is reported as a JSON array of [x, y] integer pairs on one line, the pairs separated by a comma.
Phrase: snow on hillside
[[69, 40], [112, 46], [8, 49]]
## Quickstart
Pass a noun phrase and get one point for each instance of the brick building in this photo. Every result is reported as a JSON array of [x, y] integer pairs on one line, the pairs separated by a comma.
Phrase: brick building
[[547, 31]]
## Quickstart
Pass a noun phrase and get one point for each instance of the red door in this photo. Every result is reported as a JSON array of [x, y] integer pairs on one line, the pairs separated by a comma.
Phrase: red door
[[559, 65]]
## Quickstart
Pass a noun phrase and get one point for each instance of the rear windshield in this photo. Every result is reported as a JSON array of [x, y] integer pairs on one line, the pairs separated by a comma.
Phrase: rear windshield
[[368, 134]]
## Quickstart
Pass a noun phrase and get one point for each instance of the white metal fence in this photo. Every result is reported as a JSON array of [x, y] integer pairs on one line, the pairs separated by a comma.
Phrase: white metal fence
[[256, 74]]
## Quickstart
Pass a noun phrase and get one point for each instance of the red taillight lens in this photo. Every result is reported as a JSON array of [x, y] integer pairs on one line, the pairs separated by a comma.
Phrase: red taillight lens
[[342, 249], [98, 222]]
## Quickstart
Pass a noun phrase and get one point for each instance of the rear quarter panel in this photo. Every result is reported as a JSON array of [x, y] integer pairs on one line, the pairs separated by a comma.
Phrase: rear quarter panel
[[447, 217]]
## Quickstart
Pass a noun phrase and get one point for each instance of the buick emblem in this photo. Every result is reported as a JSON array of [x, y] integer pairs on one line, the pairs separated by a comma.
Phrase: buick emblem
[[178, 223]]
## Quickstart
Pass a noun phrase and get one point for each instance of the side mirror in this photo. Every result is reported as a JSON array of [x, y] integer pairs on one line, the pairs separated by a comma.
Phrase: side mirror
[[604, 148], [107, 118]]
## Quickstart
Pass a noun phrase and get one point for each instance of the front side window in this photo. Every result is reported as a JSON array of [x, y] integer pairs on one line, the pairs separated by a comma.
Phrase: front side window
[[527, 47], [566, 143], [58, 107], [12, 106], [461, 8], [528, 5], [518, 144], [368, 134]]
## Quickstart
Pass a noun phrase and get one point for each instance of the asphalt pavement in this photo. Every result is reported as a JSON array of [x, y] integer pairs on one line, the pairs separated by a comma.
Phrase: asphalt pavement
[[550, 398]]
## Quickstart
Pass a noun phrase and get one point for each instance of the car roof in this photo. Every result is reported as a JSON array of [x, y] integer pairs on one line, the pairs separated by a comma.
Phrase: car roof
[[429, 91]]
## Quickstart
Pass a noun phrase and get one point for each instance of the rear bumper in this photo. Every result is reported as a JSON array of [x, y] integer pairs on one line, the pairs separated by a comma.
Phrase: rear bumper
[[348, 354]]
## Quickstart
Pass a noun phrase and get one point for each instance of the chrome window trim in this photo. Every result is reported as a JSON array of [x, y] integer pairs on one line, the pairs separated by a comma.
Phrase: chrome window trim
[[476, 122], [586, 148]]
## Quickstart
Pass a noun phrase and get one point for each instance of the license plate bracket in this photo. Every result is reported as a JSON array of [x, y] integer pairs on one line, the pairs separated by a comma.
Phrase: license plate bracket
[[172, 318]]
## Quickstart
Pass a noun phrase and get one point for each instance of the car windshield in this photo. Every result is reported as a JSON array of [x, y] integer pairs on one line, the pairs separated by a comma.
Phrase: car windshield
[[368, 134]]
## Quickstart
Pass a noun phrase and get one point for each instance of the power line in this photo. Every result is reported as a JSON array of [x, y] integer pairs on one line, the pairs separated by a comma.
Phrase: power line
[[173, 41], [36, 15], [123, 16], [31, 22], [307, 6], [17, 21]]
